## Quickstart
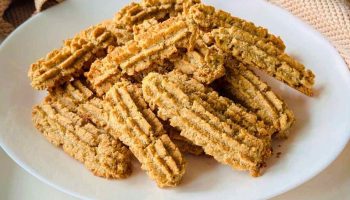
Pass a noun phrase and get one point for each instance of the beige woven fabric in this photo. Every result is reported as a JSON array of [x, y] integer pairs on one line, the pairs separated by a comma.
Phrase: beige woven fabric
[[330, 17], [5, 27], [17, 11]]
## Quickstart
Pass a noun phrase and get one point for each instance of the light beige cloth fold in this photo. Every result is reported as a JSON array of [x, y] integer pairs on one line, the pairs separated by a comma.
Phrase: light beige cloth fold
[[5, 27], [18, 11], [330, 17]]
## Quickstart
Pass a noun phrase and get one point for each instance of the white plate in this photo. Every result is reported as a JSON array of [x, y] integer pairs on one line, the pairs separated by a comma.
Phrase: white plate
[[321, 131]]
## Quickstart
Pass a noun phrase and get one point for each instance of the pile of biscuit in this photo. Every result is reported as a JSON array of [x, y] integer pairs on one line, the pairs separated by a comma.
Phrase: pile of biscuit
[[164, 78]]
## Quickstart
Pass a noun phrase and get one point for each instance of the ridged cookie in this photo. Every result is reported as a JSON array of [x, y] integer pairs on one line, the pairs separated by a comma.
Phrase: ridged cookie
[[209, 18], [253, 51], [62, 64], [192, 108], [82, 139], [245, 86], [126, 113]]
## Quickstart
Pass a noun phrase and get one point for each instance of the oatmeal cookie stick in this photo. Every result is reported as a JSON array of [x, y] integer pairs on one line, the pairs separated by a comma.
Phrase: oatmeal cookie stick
[[208, 18], [62, 64], [245, 86], [125, 112], [190, 107], [81, 139], [251, 50]]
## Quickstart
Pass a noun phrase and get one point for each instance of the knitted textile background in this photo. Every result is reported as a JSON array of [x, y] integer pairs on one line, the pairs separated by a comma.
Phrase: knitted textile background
[[330, 17], [14, 12]]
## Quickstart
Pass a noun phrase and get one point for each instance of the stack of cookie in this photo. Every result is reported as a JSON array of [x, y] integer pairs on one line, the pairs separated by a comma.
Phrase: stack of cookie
[[163, 78]]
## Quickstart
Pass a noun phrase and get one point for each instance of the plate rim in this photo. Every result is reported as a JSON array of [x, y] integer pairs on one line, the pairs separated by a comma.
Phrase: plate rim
[[342, 66]]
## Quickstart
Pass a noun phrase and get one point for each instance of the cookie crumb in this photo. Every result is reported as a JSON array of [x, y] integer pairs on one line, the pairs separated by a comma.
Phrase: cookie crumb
[[278, 154]]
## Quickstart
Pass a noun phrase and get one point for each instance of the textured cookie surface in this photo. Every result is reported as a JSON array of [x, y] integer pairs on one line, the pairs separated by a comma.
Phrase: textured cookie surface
[[77, 53], [153, 47], [205, 63], [125, 112], [253, 51], [246, 87], [62, 64], [185, 145], [192, 108], [208, 18], [82, 139]]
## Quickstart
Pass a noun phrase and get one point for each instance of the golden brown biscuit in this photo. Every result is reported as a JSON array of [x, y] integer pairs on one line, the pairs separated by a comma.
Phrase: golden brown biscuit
[[245, 86], [125, 112], [62, 64], [153, 47], [253, 51], [193, 108], [82, 139], [208, 18]]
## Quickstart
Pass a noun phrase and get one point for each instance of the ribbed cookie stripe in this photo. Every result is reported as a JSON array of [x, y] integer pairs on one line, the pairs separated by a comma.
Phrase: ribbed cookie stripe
[[159, 43], [245, 86], [82, 140], [209, 18], [237, 148], [171, 107], [235, 115], [205, 111], [158, 155], [286, 116], [62, 64], [251, 50], [71, 94], [140, 103]]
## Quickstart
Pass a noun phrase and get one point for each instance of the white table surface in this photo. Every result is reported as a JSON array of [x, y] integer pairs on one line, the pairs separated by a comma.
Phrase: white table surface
[[333, 183]]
